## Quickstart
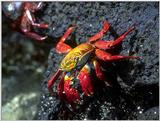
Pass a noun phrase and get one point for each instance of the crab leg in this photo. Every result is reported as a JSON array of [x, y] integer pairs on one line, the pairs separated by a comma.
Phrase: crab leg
[[61, 46], [33, 6], [108, 44], [42, 25], [60, 87], [53, 79], [99, 72], [38, 6], [25, 29], [108, 57], [71, 94], [85, 80], [31, 19], [100, 33], [34, 35]]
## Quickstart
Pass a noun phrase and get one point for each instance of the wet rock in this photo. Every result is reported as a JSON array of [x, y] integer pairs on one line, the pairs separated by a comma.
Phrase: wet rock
[[150, 114], [22, 106]]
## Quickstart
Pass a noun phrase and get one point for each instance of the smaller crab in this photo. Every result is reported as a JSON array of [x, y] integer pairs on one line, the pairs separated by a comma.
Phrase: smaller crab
[[79, 59], [22, 16]]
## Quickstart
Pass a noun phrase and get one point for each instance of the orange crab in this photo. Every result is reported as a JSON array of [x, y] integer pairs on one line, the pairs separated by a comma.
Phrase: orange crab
[[79, 58]]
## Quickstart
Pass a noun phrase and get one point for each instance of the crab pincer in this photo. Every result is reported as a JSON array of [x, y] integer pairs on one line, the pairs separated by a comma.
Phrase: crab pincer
[[85, 80], [71, 94]]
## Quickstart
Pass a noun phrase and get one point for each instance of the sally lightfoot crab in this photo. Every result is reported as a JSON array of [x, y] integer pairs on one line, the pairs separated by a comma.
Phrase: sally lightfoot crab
[[22, 17], [79, 58]]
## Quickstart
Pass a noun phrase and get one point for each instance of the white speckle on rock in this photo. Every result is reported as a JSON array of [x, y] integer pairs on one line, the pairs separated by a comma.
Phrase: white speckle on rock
[[138, 107]]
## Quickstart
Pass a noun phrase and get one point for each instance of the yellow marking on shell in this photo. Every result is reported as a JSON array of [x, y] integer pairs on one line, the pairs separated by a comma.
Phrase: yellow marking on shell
[[72, 65], [75, 55]]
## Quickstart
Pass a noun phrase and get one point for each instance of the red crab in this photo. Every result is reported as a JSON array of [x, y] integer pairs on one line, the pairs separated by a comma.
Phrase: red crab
[[22, 15], [79, 58]]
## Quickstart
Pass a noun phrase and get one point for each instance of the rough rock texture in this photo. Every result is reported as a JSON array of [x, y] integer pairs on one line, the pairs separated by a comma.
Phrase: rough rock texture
[[135, 82]]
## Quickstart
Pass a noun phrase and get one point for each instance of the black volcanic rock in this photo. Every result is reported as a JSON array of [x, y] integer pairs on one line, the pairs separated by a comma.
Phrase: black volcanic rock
[[135, 82]]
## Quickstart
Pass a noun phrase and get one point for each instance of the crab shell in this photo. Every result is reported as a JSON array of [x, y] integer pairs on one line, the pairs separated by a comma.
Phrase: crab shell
[[77, 57]]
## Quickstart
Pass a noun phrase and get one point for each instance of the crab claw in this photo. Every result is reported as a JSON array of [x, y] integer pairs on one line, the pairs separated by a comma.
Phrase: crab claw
[[85, 80], [72, 95]]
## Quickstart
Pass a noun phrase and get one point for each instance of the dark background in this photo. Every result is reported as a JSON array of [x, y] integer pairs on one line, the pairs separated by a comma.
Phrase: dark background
[[25, 69]]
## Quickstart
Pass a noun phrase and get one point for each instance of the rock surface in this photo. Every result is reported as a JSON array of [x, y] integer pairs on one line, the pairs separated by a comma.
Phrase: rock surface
[[135, 82]]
